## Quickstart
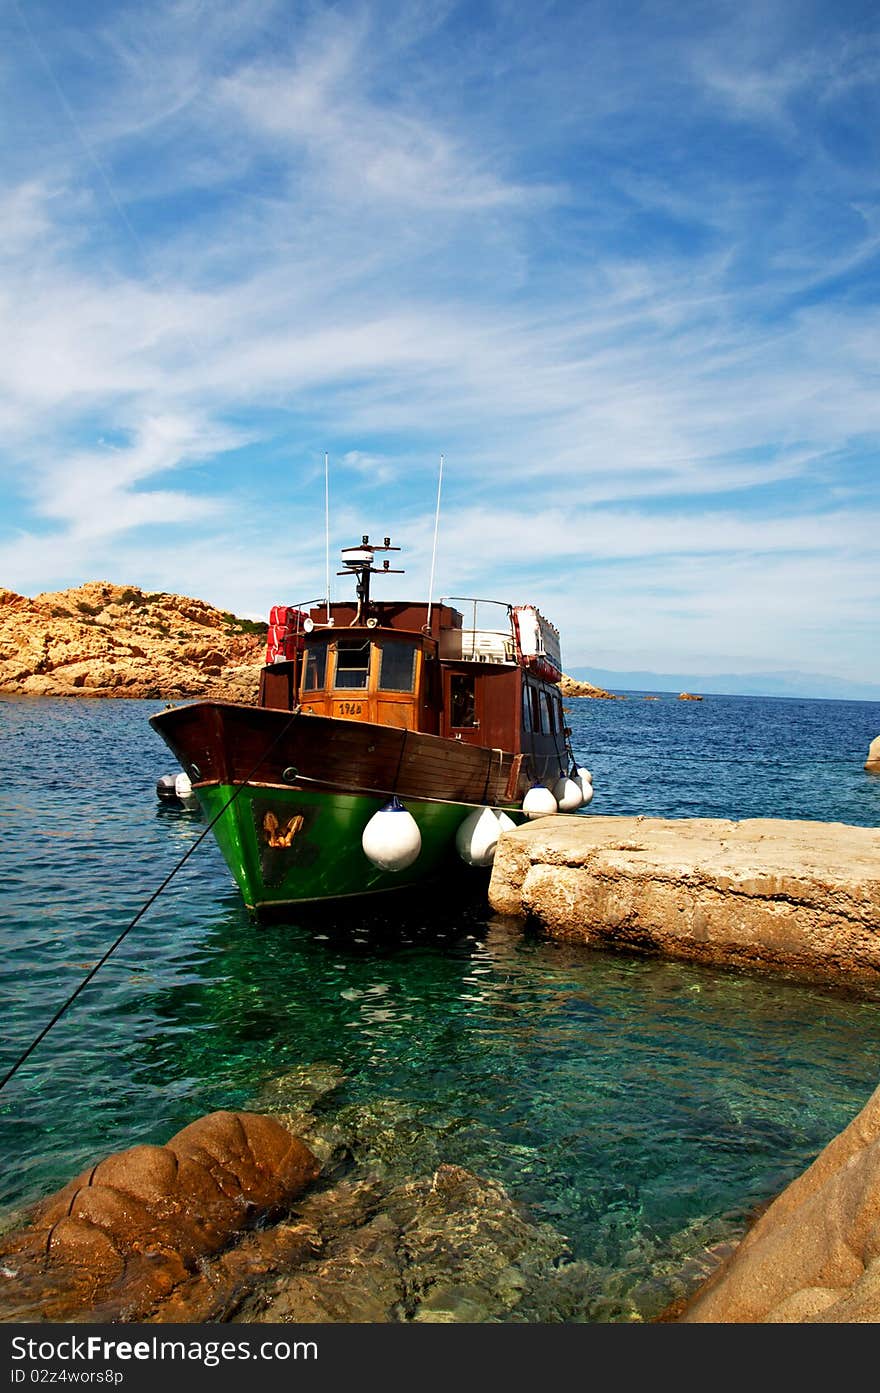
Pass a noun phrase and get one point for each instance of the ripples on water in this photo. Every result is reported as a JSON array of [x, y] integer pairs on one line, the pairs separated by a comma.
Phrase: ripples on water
[[645, 1108]]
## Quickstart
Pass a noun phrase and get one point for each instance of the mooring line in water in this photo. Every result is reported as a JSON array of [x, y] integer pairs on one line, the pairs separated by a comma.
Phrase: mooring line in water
[[142, 911]]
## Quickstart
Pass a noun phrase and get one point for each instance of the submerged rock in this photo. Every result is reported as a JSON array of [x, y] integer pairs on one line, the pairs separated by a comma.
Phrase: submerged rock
[[470, 1254], [126, 1233], [225, 1224], [446, 1247], [301, 1087]]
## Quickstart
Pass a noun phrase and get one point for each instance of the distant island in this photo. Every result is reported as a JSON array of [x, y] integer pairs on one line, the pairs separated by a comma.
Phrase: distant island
[[787, 683]]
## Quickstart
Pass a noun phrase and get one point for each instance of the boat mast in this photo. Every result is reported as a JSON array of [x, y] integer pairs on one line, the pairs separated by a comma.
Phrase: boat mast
[[434, 549], [327, 526]]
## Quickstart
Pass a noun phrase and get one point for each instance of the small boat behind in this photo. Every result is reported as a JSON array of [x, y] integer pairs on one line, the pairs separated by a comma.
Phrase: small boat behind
[[391, 740]]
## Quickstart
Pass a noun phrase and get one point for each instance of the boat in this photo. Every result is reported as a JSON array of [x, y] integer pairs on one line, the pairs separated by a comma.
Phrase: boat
[[391, 741]]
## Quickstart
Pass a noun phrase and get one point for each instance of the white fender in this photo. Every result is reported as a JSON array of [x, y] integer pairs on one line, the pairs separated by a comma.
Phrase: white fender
[[538, 802], [391, 838], [568, 794], [477, 836]]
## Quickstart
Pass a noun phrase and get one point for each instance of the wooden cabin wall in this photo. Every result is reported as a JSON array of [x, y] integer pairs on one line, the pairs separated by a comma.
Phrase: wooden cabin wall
[[496, 705], [411, 709], [401, 615], [279, 686]]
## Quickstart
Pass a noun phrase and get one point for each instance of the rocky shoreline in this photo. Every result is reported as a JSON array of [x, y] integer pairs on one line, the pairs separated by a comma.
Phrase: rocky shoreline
[[104, 640], [571, 687], [295, 1213]]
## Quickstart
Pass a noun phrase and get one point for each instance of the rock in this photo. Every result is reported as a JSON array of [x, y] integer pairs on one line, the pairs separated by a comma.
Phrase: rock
[[357, 1280], [688, 696], [814, 1255], [300, 1087], [763, 892], [469, 1253], [571, 687], [872, 763], [222, 1284], [294, 1098], [218, 1226], [445, 1247], [126, 1233], [100, 639]]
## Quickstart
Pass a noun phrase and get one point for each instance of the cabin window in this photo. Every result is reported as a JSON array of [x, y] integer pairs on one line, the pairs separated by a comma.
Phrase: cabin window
[[530, 717], [397, 667], [462, 700], [352, 663], [548, 715], [316, 667]]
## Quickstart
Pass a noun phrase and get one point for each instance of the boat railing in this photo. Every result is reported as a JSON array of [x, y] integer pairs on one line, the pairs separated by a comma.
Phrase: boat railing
[[486, 633]]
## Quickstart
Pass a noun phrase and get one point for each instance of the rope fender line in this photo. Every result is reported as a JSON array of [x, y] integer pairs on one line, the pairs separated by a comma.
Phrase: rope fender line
[[147, 905]]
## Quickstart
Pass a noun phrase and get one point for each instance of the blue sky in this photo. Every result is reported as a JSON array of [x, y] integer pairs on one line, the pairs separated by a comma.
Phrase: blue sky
[[616, 262]]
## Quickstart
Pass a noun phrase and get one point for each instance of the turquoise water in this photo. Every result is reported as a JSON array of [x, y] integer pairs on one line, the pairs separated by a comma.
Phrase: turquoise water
[[644, 1108]]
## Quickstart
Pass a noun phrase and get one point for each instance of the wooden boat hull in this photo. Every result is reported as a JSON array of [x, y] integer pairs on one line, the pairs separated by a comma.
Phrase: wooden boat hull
[[292, 793]]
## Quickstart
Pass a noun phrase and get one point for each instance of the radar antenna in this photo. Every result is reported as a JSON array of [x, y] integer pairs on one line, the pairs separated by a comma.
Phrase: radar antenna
[[359, 562]]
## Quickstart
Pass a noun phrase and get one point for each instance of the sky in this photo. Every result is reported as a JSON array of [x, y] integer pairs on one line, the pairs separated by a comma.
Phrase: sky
[[617, 264]]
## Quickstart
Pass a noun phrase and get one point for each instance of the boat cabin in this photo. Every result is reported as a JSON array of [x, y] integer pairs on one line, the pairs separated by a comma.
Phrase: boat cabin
[[478, 671]]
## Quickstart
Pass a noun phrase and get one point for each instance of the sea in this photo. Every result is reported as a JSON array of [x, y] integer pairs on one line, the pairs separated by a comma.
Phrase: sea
[[646, 1109]]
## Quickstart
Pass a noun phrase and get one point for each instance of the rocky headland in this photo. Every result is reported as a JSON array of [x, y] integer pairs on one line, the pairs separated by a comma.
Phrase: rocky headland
[[105, 640], [571, 687]]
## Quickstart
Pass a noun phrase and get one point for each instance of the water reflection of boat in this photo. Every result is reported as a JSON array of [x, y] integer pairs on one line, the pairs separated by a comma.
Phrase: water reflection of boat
[[390, 737]]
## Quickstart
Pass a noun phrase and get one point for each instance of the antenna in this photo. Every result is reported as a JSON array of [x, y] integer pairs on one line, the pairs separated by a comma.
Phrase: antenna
[[434, 550], [327, 526]]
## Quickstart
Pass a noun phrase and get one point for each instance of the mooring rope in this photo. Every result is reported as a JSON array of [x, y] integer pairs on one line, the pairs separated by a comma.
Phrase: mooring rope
[[142, 911]]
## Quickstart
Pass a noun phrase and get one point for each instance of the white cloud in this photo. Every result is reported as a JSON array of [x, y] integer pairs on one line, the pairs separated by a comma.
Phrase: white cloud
[[302, 231]]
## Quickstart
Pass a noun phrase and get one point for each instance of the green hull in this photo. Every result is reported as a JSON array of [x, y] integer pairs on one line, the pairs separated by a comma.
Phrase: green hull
[[325, 859]]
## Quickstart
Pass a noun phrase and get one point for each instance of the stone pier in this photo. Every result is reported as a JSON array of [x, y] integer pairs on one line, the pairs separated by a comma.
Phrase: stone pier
[[759, 893]]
